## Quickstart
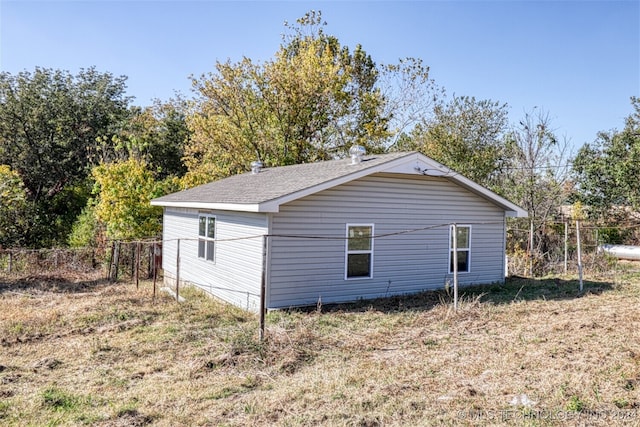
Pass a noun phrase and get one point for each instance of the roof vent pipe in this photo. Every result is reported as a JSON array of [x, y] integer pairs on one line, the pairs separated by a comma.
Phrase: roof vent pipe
[[356, 152], [256, 167]]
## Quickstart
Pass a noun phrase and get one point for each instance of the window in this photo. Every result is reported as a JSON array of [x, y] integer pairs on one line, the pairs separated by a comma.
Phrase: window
[[359, 251], [463, 243], [206, 237]]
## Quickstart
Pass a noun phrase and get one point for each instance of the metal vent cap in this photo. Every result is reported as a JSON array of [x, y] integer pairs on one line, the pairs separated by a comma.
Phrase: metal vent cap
[[256, 167], [357, 152]]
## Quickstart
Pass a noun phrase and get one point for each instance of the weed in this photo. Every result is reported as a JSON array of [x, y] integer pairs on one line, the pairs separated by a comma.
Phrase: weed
[[59, 400], [100, 344], [621, 403], [429, 342], [575, 404], [4, 409], [17, 328]]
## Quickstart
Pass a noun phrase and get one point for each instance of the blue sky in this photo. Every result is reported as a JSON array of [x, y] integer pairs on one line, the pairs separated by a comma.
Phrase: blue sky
[[577, 60]]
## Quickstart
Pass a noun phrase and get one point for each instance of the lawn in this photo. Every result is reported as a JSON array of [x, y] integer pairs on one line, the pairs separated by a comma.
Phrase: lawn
[[530, 352]]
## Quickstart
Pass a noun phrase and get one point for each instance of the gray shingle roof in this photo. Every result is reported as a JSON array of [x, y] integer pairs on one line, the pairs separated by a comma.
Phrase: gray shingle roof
[[273, 183], [267, 190]]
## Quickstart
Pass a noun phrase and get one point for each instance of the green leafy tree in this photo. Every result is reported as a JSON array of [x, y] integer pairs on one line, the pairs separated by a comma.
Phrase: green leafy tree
[[467, 135], [86, 230], [123, 191], [13, 208], [157, 135], [607, 171], [50, 121], [312, 101]]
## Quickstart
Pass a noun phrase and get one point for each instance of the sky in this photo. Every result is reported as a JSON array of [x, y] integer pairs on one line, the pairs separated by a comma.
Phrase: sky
[[577, 61]]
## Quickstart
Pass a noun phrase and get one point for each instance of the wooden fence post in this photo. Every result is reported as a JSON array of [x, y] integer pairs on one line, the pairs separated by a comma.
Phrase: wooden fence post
[[133, 261], [137, 257], [113, 251], [116, 261]]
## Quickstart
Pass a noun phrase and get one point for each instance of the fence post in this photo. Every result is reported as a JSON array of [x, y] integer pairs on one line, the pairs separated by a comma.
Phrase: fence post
[[178, 271], [566, 245], [531, 248], [10, 266], [113, 251], [137, 257], [133, 260], [263, 289], [454, 234], [116, 261], [155, 269], [579, 254], [152, 260]]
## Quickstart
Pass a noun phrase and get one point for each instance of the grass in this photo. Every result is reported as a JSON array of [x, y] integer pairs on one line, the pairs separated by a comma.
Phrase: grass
[[531, 352]]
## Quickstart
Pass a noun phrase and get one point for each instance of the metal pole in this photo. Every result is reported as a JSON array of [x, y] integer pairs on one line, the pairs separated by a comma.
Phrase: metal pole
[[263, 288], [531, 249], [155, 270], [178, 271], [454, 232], [579, 254], [566, 245]]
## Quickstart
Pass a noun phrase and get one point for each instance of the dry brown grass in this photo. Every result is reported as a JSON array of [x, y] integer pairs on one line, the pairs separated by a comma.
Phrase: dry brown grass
[[528, 352]]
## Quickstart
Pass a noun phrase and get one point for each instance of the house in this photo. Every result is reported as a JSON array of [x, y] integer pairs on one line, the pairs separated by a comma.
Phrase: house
[[334, 231]]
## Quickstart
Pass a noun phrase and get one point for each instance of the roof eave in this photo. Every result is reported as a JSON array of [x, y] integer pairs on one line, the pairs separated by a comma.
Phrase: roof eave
[[241, 207]]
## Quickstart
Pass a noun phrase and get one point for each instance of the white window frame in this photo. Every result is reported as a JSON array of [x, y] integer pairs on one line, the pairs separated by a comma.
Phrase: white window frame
[[467, 249], [208, 242], [358, 252]]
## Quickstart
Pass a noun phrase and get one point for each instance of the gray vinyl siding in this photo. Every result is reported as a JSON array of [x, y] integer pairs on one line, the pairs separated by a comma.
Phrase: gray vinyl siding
[[305, 270], [236, 272]]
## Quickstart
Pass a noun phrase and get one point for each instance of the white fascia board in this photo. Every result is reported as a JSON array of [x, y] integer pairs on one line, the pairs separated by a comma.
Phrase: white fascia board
[[212, 206]]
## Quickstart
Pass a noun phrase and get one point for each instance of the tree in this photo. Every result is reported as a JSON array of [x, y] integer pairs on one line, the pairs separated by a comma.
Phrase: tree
[[465, 134], [157, 135], [13, 207], [124, 190], [312, 101], [607, 171], [537, 172], [410, 98], [50, 121]]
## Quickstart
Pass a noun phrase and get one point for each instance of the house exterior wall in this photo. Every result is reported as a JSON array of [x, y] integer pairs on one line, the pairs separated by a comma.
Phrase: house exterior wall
[[305, 270], [236, 272]]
